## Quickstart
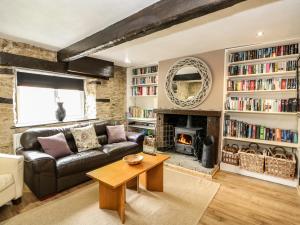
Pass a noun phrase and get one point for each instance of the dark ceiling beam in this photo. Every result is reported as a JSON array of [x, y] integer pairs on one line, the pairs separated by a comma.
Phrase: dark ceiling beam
[[88, 67], [156, 17]]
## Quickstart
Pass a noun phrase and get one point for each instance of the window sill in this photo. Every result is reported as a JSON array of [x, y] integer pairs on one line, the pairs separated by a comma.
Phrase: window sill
[[51, 123]]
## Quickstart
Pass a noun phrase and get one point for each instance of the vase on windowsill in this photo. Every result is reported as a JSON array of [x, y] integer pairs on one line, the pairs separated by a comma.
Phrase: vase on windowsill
[[60, 112]]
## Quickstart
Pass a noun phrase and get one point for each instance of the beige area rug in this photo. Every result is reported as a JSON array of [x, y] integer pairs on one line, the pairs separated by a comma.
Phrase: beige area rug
[[183, 202]]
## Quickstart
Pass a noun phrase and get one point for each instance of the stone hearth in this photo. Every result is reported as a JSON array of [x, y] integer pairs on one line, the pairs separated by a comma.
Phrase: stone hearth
[[188, 162]]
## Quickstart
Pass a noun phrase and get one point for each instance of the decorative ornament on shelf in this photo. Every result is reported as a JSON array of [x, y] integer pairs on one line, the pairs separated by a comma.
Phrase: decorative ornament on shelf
[[60, 112]]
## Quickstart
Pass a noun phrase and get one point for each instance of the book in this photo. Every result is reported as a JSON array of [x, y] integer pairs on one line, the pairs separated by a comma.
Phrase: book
[[262, 133], [283, 84]]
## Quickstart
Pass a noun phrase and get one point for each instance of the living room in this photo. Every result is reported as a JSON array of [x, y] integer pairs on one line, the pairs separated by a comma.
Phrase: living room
[[150, 112]]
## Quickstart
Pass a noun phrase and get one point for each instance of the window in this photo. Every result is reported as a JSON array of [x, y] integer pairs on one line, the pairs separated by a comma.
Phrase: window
[[37, 101]]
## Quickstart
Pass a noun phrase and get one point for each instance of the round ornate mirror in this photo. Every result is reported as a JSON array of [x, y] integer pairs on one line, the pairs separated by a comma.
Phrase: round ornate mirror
[[188, 82]]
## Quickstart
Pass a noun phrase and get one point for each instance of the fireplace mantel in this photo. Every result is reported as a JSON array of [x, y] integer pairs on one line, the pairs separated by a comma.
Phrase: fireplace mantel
[[189, 112]]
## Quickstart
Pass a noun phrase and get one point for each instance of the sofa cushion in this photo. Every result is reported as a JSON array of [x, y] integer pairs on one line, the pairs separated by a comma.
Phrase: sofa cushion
[[116, 134], [55, 145], [5, 181], [100, 127], [85, 138], [82, 161], [102, 139], [118, 150]]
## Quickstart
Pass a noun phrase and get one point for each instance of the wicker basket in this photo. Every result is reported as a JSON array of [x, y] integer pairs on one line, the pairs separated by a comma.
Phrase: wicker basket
[[252, 158], [230, 154], [280, 163]]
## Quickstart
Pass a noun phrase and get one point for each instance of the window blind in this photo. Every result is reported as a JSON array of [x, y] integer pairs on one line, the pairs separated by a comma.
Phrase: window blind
[[45, 81]]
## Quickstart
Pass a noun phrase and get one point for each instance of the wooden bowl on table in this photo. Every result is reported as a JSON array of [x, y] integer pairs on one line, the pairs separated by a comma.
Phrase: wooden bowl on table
[[133, 159]]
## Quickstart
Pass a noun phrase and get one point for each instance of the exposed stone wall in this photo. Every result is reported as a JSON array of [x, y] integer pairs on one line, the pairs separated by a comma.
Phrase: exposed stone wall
[[113, 90], [19, 48], [7, 88], [7, 83], [111, 96]]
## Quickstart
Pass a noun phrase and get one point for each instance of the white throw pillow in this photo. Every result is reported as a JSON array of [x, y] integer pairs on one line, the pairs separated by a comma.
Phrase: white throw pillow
[[85, 138]]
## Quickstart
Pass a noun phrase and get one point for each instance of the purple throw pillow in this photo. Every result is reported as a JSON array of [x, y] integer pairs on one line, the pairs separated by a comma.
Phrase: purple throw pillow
[[116, 134], [55, 145]]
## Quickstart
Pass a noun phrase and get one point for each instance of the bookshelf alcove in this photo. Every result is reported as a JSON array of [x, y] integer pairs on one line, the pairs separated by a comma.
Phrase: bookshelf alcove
[[260, 101], [142, 85]]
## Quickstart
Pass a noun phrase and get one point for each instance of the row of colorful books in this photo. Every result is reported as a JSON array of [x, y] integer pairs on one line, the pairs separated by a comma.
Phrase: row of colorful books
[[261, 105], [242, 69], [264, 53], [136, 111], [144, 91], [144, 70], [144, 80], [261, 84], [240, 129]]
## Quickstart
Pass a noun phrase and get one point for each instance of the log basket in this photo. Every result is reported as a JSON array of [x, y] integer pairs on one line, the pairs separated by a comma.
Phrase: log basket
[[280, 163], [230, 154], [252, 158]]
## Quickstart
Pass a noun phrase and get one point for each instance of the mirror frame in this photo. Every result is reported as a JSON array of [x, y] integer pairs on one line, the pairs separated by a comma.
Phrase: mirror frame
[[206, 76]]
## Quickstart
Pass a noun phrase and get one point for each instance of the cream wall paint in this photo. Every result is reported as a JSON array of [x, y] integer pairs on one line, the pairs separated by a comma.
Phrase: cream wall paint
[[214, 101]]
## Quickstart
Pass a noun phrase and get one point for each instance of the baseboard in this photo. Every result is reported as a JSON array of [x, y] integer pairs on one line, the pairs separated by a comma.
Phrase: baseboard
[[278, 180], [193, 172]]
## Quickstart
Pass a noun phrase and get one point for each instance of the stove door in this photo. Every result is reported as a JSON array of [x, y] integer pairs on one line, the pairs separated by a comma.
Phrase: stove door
[[184, 143]]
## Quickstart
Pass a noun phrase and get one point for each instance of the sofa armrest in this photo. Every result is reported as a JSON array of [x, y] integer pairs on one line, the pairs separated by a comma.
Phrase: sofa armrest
[[39, 172], [13, 164], [135, 137], [41, 162], [9, 163]]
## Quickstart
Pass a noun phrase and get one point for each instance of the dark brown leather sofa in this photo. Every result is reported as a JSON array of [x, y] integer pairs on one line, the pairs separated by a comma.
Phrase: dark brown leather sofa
[[45, 175]]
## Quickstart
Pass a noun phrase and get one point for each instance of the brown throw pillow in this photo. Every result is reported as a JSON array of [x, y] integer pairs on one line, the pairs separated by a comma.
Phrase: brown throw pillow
[[116, 134], [55, 145], [85, 138]]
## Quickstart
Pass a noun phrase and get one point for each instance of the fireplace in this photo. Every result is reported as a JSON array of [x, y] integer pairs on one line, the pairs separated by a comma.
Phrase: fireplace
[[183, 131]]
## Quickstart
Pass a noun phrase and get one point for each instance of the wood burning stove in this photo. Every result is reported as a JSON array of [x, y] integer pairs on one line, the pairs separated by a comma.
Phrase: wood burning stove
[[185, 138]]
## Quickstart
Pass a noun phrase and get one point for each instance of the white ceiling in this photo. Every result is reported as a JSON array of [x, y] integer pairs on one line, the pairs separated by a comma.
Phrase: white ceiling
[[56, 24], [232, 27]]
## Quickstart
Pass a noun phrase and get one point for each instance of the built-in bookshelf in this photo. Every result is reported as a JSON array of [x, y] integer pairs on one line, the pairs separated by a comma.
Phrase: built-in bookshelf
[[142, 86], [260, 103], [144, 81]]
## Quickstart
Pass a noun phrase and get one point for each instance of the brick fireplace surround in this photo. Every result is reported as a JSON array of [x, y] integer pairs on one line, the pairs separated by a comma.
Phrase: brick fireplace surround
[[213, 119]]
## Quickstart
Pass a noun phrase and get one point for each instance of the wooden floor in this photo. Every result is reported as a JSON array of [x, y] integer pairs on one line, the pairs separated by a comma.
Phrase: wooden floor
[[240, 200]]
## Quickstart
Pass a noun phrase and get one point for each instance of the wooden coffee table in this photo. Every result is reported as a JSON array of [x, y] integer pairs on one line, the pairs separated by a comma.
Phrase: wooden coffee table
[[114, 178]]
